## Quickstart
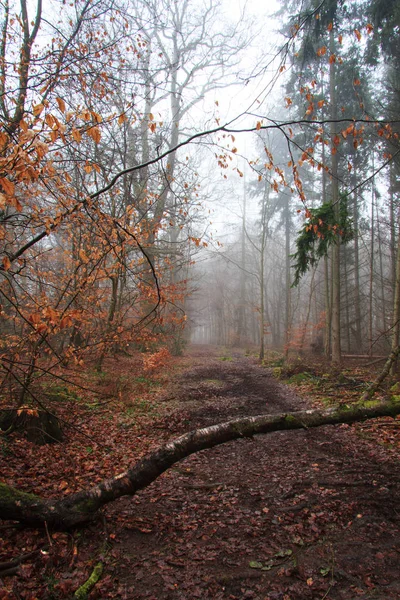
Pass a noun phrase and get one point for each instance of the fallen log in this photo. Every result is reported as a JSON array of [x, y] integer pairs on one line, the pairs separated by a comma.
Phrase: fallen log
[[80, 508]]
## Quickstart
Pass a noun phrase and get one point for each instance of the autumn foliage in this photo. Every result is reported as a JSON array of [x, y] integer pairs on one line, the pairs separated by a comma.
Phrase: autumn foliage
[[82, 266]]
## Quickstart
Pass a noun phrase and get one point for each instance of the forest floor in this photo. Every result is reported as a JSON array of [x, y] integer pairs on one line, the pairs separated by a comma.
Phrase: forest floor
[[285, 516]]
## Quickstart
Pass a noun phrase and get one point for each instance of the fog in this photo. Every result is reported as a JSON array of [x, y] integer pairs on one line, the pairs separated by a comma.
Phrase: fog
[[205, 172]]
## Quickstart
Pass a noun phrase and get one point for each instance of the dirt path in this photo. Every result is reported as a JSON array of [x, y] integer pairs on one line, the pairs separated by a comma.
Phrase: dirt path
[[287, 516]]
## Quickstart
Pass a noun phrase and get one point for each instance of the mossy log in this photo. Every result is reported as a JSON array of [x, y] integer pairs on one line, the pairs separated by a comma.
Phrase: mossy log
[[39, 426], [83, 591], [77, 509]]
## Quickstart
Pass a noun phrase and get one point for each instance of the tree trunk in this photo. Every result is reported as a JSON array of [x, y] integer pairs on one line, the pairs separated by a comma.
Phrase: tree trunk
[[77, 509], [357, 295], [241, 330], [336, 345], [396, 314], [288, 289], [391, 360], [371, 270], [39, 426]]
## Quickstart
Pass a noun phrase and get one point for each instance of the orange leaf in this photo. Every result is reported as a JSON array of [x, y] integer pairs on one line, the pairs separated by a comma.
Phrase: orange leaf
[[16, 204], [50, 314], [258, 126], [321, 103], [369, 28], [34, 318], [37, 109], [332, 58], [29, 411], [6, 263], [357, 34], [321, 51], [50, 120], [76, 134], [98, 118], [95, 134], [61, 104], [340, 38], [330, 26], [310, 109], [65, 322], [7, 186], [3, 138]]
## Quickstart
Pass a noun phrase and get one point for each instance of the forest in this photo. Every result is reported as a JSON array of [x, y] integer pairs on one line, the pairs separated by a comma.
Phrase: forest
[[199, 299]]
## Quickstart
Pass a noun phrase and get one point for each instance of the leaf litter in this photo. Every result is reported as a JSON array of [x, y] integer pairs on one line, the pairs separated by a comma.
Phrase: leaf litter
[[287, 516]]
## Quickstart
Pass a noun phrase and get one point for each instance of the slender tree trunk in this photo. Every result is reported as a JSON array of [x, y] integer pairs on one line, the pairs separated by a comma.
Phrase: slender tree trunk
[[241, 311], [262, 309], [396, 314], [381, 271], [287, 280], [336, 345], [371, 271], [393, 239], [347, 306], [110, 320], [327, 291], [357, 302], [307, 319], [264, 235]]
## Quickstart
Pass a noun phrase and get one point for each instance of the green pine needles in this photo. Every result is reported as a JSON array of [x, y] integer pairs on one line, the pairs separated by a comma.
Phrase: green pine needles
[[320, 230]]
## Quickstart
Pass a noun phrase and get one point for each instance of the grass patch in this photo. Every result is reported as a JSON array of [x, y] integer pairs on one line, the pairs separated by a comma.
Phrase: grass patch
[[139, 407], [146, 382], [300, 377], [60, 393]]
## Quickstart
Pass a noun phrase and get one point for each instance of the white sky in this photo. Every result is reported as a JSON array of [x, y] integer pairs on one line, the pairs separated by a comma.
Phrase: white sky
[[260, 58]]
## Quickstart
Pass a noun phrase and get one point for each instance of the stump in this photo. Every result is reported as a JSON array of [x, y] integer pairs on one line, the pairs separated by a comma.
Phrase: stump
[[39, 426]]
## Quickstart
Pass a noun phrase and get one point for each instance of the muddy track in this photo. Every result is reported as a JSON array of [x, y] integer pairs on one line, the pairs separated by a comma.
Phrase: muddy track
[[287, 516], [223, 388]]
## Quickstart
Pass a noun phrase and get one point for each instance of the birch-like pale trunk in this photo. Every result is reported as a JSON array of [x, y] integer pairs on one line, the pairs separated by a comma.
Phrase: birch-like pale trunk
[[80, 508]]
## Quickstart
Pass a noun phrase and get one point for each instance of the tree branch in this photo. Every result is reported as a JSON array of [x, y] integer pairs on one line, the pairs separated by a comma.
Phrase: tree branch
[[77, 509]]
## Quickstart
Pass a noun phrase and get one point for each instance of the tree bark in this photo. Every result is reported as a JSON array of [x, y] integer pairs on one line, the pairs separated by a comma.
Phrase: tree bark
[[77, 509], [335, 305], [391, 360], [396, 315]]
